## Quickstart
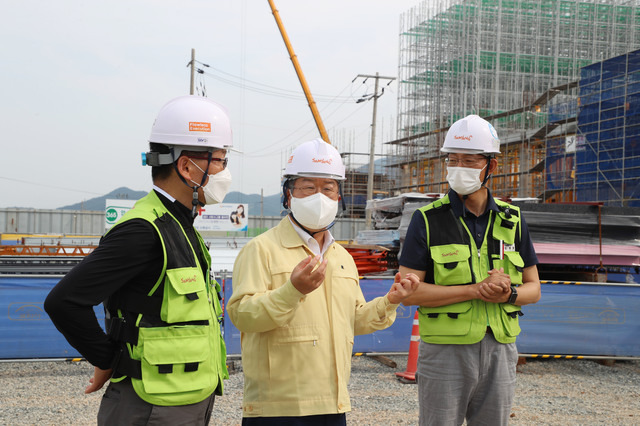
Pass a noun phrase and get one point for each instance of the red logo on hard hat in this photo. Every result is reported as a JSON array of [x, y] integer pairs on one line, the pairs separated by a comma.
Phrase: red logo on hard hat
[[322, 160], [466, 138], [197, 126], [290, 159]]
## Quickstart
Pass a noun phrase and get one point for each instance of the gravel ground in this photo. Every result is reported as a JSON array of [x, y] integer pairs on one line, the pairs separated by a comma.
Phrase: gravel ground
[[549, 392]]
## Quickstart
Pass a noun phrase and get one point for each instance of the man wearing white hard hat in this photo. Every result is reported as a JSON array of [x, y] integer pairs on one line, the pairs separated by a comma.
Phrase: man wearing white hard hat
[[163, 352], [477, 267], [297, 301]]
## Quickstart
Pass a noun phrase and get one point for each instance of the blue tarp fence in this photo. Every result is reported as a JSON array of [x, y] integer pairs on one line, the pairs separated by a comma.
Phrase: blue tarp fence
[[25, 328], [582, 320]]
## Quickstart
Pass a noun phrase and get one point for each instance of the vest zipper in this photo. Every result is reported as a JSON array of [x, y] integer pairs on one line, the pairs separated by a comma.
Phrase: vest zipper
[[472, 244]]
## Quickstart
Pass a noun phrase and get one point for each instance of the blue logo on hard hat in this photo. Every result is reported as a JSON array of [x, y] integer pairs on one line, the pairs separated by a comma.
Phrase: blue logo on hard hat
[[493, 131]]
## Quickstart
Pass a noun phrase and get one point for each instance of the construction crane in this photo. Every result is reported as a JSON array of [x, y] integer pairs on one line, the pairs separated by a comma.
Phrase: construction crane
[[303, 81]]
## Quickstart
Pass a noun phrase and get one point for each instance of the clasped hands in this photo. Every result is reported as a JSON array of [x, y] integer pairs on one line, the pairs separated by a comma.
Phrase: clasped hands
[[496, 288]]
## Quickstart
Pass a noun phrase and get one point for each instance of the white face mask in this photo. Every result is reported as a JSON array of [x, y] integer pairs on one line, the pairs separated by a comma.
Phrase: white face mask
[[464, 180], [217, 187], [314, 212]]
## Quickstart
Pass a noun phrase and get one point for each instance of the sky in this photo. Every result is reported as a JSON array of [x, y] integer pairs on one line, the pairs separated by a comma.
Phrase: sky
[[82, 82]]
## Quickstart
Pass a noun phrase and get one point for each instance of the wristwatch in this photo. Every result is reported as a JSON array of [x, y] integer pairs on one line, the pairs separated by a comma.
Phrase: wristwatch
[[513, 296]]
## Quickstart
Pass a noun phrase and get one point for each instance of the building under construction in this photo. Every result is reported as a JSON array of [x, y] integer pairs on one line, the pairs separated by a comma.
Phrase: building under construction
[[550, 77]]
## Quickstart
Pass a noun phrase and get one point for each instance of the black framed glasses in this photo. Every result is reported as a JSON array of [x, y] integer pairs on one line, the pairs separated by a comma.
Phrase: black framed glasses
[[221, 161]]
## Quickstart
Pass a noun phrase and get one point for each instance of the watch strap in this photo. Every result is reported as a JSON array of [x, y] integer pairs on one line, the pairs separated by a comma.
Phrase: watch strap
[[513, 296]]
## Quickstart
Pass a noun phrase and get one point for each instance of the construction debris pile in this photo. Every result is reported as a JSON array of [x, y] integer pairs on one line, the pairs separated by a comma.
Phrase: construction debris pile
[[376, 251], [582, 223]]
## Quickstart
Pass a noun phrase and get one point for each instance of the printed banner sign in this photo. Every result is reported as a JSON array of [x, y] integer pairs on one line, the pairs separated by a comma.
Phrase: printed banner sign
[[115, 209], [223, 217]]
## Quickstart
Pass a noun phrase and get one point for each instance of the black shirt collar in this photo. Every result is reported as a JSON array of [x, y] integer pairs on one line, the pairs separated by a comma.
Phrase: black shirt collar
[[457, 206], [177, 209]]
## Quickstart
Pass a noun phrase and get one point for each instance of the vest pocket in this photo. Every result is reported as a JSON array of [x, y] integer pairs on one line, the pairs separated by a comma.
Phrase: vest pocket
[[509, 314], [514, 266], [451, 264], [185, 296], [450, 320], [504, 229], [175, 359]]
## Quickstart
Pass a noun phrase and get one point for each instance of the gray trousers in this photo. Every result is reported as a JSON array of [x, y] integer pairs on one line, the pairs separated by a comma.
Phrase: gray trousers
[[121, 405], [476, 382]]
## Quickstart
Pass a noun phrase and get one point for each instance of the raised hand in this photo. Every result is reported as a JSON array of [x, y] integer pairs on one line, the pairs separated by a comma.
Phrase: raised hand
[[402, 287], [304, 278]]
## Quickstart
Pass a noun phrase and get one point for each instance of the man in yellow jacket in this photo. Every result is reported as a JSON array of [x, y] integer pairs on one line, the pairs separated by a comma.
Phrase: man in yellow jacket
[[297, 301]]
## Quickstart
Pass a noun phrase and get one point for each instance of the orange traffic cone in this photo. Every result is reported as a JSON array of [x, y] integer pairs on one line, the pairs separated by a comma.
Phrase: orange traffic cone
[[409, 376]]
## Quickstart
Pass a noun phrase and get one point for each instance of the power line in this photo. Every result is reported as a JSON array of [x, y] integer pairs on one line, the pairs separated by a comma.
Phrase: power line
[[268, 89], [261, 152], [40, 184]]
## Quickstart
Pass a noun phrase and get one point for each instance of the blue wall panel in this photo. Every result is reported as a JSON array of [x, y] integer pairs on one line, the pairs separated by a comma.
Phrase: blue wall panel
[[582, 320], [25, 328], [602, 320]]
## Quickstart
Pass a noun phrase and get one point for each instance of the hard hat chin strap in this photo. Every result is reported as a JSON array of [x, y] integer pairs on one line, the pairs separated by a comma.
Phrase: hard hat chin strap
[[285, 187], [195, 202], [487, 175]]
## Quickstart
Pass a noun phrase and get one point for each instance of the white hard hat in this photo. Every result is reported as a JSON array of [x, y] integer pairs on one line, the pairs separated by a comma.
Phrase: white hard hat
[[316, 159], [471, 135], [194, 123]]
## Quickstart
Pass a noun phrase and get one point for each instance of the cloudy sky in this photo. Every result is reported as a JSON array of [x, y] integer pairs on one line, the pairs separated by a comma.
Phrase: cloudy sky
[[82, 82]]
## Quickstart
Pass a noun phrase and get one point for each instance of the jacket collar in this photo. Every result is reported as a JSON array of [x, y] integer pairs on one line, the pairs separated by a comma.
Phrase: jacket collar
[[288, 235]]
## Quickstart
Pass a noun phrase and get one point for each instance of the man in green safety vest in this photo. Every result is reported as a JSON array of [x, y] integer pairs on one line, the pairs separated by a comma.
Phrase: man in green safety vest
[[477, 267], [163, 351]]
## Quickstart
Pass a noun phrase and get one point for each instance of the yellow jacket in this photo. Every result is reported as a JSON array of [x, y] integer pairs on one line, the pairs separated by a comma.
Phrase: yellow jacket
[[296, 349]]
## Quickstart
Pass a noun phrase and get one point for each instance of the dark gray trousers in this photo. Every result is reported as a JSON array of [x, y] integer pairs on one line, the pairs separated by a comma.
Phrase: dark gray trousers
[[473, 382], [122, 406]]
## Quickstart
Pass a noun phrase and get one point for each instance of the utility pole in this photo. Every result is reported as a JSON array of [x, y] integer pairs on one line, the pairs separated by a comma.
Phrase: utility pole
[[193, 69], [372, 149], [261, 209]]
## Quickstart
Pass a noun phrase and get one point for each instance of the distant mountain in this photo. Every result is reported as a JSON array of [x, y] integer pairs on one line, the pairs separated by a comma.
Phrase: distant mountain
[[272, 205], [99, 203]]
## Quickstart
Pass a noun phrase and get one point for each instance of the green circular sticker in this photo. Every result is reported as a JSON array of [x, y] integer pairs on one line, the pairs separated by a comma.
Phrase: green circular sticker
[[112, 215]]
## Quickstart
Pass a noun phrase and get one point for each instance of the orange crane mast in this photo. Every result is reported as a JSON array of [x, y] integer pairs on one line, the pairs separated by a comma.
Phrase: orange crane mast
[[303, 81]]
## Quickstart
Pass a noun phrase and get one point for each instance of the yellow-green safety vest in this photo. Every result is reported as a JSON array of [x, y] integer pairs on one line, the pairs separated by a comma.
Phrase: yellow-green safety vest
[[175, 354], [457, 260]]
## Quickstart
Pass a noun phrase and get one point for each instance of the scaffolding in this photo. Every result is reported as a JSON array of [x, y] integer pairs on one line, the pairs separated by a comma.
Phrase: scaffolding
[[607, 152], [516, 63], [355, 187]]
